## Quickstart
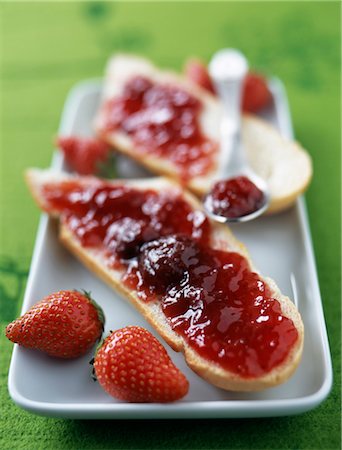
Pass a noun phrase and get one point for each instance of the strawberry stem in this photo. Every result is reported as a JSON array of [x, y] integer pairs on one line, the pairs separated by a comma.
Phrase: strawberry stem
[[107, 168], [99, 310], [93, 374]]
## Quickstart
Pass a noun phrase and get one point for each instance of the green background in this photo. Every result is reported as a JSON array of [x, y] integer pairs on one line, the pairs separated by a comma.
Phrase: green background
[[46, 47]]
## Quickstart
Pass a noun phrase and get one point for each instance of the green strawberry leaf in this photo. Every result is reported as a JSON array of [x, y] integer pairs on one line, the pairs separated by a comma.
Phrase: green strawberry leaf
[[107, 168]]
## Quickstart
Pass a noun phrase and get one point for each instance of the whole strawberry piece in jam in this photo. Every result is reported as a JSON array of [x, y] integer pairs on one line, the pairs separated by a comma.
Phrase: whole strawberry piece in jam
[[164, 261], [132, 365], [65, 324], [87, 156]]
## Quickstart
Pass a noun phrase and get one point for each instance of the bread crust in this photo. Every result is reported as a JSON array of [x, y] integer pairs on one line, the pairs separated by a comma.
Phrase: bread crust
[[284, 164], [221, 238]]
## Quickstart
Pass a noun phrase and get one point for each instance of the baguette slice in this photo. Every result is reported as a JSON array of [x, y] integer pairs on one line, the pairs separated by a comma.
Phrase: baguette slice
[[221, 238], [282, 163]]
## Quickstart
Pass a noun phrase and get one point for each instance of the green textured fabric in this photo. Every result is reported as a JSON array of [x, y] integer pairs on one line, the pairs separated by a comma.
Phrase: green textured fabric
[[46, 47]]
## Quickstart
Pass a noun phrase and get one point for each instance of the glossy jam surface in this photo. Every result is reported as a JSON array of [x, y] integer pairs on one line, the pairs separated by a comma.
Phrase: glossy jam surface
[[163, 120], [213, 299], [121, 219], [210, 297], [235, 197]]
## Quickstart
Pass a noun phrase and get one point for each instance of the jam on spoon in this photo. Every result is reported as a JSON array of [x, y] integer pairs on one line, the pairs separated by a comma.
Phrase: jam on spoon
[[235, 197]]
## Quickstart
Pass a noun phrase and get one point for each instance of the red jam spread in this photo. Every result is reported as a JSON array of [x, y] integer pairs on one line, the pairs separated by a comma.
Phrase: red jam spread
[[122, 219], [163, 120], [235, 197], [210, 297]]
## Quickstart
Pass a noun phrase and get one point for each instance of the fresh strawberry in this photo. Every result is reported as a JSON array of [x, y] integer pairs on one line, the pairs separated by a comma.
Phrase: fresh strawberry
[[256, 94], [197, 72], [64, 324], [87, 156], [132, 365]]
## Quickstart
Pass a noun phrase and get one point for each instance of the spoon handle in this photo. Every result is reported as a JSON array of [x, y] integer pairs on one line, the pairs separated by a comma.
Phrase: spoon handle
[[228, 69], [230, 92]]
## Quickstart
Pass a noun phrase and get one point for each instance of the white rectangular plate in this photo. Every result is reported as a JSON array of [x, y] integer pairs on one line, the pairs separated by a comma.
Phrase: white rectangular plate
[[280, 247]]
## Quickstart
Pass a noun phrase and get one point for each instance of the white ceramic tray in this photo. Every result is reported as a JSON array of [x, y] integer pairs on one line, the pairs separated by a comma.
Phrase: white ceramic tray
[[281, 248]]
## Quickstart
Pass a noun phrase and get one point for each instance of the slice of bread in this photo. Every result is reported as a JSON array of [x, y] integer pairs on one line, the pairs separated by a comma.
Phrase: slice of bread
[[220, 238], [284, 164]]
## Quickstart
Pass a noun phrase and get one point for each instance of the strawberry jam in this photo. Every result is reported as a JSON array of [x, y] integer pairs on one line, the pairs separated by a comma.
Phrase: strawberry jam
[[121, 219], [210, 297], [235, 197], [162, 120]]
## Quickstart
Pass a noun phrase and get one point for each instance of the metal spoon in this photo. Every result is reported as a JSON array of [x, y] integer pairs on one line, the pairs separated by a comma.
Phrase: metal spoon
[[228, 69]]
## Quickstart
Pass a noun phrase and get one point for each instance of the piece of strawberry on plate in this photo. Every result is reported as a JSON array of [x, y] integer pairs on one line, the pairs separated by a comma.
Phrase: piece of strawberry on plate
[[88, 156]]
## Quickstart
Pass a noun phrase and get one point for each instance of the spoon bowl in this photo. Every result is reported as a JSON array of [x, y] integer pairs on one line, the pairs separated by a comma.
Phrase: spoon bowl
[[260, 184]]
